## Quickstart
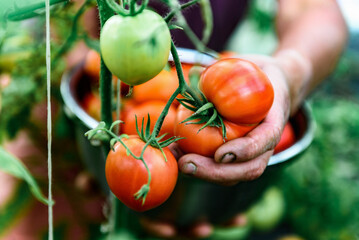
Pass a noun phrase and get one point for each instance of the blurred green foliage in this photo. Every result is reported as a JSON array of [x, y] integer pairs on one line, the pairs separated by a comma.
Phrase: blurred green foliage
[[23, 58], [322, 187]]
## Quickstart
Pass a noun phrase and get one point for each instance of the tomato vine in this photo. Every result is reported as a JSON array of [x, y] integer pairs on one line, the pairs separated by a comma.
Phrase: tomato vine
[[107, 9]]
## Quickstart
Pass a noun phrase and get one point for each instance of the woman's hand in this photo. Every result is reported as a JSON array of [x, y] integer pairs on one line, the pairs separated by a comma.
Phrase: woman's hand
[[246, 158]]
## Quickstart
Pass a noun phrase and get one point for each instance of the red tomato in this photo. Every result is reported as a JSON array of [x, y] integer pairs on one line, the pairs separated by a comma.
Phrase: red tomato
[[160, 87], [154, 109], [92, 64], [92, 67], [239, 90], [208, 139], [126, 175], [287, 139], [227, 54], [92, 105]]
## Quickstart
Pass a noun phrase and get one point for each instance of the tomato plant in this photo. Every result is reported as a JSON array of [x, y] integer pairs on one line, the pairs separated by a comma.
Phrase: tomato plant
[[239, 90], [126, 175], [135, 48], [206, 141], [153, 109], [287, 139]]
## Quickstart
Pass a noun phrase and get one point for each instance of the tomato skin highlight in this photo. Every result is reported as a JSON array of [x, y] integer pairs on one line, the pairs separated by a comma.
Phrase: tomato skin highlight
[[240, 91], [287, 139], [154, 109], [126, 175], [135, 48], [209, 139]]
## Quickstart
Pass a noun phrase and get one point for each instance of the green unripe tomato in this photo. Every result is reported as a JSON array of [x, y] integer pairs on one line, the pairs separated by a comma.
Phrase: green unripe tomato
[[269, 211], [135, 48]]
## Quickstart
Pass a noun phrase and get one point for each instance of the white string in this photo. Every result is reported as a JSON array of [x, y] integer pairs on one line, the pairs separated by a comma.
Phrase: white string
[[118, 105], [49, 126]]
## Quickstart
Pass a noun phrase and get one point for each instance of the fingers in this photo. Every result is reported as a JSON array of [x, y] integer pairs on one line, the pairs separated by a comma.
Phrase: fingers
[[260, 140], [239, 220], [158, 228], [223, 173], [201, 230], [176, 151], [164, 229]]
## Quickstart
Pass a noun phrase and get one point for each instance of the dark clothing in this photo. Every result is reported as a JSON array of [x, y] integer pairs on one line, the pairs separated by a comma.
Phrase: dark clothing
[[226, 16]]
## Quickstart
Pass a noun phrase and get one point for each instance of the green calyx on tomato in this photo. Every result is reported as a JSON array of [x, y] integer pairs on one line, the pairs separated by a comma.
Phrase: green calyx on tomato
[[145, 134], [135, 48], [123, 151], [235, 96], [126, 175], [206, 141]]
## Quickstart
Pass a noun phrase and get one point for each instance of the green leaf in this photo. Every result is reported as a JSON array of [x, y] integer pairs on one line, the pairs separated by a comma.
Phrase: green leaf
[[115, 123], [112, 143], [210, 121], [16, 10], [11, 165], [92, 43], [205, 107]]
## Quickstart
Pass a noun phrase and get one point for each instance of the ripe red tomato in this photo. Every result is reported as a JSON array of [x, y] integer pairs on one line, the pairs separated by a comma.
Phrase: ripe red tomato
[[160, 87], [92, 105], [287, 139], [227, 54], [239, 90], [126, 175], [208, 139], [154, 109], [135, 48], [92, 64]]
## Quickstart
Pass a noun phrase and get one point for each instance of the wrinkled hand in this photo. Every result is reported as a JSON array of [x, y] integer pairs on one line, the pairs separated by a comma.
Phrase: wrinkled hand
[[246, 158]]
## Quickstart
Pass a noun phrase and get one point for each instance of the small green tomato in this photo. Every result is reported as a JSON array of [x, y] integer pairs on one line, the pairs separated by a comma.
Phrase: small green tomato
[[135, 48]]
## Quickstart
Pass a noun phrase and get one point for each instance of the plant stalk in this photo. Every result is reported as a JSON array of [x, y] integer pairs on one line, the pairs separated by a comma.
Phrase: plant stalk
[[105, 13]]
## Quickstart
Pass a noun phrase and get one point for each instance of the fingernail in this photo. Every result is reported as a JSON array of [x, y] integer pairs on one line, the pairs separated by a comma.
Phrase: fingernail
[[228, 157], [189, 168]]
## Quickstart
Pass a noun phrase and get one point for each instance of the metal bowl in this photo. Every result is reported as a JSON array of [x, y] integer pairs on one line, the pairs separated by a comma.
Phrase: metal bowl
[[192, 199]]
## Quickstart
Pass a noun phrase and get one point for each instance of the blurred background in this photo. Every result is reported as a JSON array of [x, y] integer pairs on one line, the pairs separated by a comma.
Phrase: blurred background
[[321, 189], [316, 198]]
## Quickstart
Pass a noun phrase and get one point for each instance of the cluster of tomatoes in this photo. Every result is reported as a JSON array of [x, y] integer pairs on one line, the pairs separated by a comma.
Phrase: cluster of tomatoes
[[239, 91], [125, 174]]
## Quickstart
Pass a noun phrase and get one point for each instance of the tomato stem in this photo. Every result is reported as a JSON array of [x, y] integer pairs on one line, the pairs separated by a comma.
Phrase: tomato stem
[[143, 6], [105, 74], [74, 32], [171, 15], [116, 8], [182, 88], [133, 7]]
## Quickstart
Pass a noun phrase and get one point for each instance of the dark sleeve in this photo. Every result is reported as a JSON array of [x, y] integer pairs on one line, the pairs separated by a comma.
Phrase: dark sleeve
[[226, 16]]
